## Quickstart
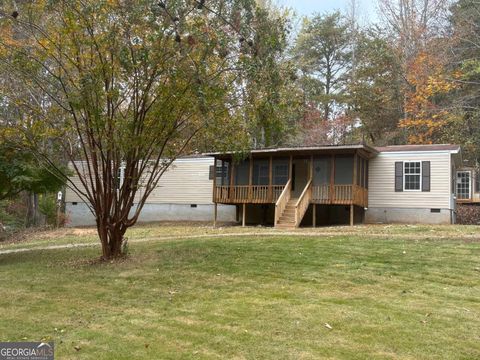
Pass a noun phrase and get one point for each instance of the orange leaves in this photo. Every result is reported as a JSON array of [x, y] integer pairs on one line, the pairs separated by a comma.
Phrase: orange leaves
[[427, 84]]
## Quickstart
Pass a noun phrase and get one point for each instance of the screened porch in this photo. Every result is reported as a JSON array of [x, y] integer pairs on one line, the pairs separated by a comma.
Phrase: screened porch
[[336, 178]]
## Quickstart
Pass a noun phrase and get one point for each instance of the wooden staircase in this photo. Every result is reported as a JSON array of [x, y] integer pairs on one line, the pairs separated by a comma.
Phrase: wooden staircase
[[287, 218]]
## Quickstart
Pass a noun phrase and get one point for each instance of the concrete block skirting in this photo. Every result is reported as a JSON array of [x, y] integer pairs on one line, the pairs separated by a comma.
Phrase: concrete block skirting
[[381, 215], [79, 215]]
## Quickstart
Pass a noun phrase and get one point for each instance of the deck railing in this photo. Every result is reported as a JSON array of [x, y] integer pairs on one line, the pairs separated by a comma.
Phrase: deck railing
[[303, 202], [340, 195], [257, 194], [267, 194], [282, 201]]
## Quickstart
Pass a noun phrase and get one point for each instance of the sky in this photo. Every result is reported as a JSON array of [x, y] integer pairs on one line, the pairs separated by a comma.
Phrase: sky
[[366, 8]]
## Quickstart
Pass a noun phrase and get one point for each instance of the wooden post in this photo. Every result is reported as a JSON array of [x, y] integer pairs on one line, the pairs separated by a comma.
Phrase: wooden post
[[354, 180], [243, 215], [270, 179], [332, 179], [314, 217], [290, 170], [215, 215], [250, 179], [214, 195], [232, 175], [311, 167], [223, 173], [351, 214]]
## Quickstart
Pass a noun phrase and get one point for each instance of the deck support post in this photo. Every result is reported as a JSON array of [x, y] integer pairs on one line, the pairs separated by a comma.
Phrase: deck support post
[[270, 179], [250, 178], [352, 207], [354, 180], [215, 211], [332, 179], [243, 214], [314, 216], [214, 193]]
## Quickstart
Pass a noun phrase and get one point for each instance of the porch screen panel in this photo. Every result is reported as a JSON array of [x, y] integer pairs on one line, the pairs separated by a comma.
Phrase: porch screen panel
[[242, 173], [343, 169], [359, 170], [321, 170], [261, 172], [222, 173], [280, 171]]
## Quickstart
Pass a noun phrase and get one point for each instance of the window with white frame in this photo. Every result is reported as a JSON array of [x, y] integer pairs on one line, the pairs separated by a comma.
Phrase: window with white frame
[[412, 173], [463, 185]]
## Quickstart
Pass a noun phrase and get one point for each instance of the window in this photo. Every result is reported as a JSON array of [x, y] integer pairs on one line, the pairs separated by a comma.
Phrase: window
[[222, 173], [463, 185], [412, 173]]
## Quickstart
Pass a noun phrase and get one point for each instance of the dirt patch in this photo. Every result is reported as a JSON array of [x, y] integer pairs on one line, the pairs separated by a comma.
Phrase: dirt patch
[[47, 233]]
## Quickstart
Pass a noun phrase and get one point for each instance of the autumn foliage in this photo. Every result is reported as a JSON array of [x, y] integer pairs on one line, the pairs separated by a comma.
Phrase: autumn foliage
[[428, 83]]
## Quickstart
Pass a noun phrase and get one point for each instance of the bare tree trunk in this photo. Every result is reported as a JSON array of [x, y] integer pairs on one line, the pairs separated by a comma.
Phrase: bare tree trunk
[[111, 238]]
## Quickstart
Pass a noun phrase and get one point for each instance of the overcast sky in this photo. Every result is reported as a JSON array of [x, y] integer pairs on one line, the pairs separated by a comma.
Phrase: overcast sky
[[367, 8]]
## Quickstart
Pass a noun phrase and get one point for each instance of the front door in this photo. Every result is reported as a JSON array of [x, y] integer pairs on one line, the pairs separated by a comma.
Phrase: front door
[[300, 176]]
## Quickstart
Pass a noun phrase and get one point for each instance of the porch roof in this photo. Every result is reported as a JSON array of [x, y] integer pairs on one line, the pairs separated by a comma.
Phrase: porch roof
[[366, 151]]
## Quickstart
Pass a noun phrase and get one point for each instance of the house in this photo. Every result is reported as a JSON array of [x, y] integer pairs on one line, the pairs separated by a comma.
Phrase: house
[[289, 187], [184, 193], [305, 186]]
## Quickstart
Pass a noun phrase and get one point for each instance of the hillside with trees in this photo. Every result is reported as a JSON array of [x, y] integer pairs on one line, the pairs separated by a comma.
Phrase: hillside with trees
[[104, 85]]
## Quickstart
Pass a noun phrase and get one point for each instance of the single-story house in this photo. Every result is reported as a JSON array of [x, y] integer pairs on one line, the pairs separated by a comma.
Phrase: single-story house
[[306, 186], [184, 193]]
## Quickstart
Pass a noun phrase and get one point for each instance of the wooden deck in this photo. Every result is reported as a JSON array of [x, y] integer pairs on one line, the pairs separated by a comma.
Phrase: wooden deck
[[265, 194], [342, 170]]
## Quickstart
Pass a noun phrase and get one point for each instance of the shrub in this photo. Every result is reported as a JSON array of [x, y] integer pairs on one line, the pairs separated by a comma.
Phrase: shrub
[[468, 214]]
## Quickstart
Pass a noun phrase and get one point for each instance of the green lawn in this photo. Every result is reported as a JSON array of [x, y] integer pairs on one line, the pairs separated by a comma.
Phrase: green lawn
[[252, 297]]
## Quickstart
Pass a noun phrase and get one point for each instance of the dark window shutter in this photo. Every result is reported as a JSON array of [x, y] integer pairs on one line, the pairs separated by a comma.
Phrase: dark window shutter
[[425, 175], [398, 176], [211, 172]]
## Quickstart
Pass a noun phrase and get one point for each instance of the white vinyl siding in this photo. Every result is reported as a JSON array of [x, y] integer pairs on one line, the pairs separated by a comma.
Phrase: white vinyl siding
[[382, 192], [186, 182]]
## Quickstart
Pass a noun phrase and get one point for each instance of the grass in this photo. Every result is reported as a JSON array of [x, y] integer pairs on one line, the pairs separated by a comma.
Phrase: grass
[[386, 292]]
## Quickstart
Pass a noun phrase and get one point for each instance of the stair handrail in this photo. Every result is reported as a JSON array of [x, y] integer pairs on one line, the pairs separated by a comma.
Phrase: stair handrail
[[282, 201], [302, 204]]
